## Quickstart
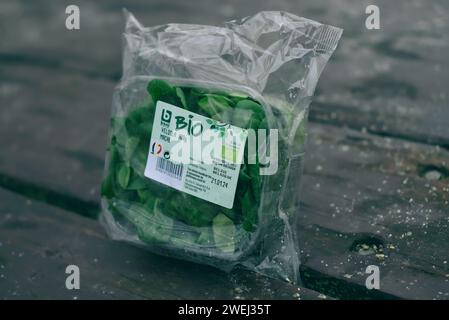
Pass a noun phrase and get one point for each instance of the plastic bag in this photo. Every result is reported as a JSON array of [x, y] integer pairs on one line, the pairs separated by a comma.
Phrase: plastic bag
[[255, 74]]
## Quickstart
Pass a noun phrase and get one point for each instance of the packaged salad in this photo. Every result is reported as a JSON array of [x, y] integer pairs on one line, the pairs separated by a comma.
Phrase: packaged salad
[[207, 138]]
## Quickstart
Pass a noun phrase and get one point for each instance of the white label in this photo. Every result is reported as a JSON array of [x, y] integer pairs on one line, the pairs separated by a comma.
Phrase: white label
[[195, 154]]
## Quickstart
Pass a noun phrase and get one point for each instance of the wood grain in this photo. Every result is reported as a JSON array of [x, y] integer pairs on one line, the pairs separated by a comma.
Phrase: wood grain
[[390, 81], [38, 242]]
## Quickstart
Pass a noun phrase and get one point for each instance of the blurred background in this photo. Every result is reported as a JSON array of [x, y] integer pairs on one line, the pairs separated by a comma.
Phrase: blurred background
[[391, 81]]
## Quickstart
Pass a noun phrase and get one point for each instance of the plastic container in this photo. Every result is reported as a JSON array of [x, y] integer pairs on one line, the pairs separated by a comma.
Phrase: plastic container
[[255, 74]]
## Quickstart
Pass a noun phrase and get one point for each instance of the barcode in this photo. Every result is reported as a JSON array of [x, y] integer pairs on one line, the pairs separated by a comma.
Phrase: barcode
[[170, 168]]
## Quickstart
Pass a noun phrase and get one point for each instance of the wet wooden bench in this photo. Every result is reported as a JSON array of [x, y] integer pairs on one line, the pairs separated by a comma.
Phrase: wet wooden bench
[[376, 179]]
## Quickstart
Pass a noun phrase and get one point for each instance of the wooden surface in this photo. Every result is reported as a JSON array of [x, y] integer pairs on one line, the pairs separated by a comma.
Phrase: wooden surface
[[38, 241], [376, 170]]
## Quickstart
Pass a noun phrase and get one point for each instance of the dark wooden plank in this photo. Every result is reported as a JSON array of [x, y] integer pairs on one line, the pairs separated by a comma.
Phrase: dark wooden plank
[[390, 81], [54, 141], [394, 78], [38, 241], [359, 192], [54, 127]]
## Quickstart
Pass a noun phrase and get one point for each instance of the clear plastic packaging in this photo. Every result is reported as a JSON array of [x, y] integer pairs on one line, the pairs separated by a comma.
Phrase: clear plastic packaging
[[256, 73]]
